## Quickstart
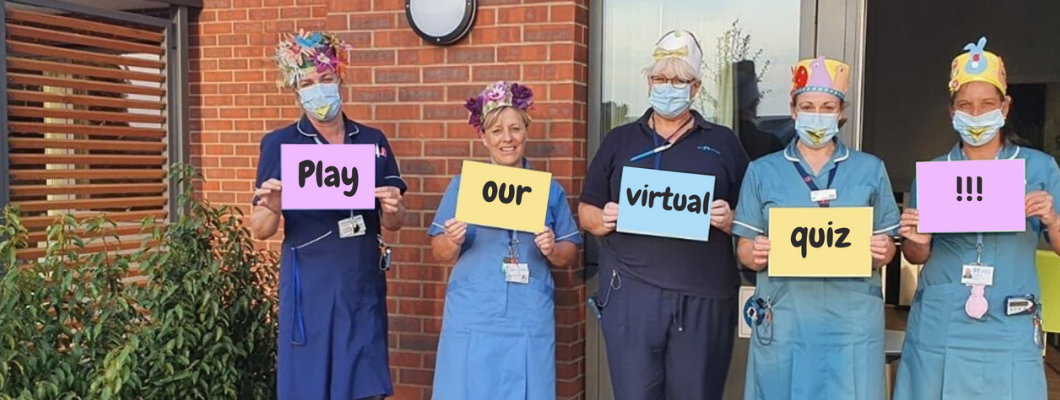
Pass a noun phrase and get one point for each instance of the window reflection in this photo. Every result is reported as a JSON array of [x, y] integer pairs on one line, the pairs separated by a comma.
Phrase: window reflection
[[748, 49]]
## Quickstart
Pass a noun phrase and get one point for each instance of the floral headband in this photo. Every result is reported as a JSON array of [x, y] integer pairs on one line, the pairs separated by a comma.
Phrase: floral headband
[[497, 96], [309, 52]]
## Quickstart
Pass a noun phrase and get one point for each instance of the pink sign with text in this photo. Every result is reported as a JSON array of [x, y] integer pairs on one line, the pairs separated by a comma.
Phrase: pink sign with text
[[971, 196], [328, 177]]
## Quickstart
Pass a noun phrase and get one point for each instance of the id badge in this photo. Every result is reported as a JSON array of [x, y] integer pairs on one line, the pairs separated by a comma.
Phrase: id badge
[[817, 196], [982, 275], [351, 227], [517, 273]]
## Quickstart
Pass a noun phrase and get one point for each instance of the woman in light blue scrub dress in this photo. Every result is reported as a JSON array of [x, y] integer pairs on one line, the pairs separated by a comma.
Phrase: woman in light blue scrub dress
[[498, 330], [818, 338], [960, 343]]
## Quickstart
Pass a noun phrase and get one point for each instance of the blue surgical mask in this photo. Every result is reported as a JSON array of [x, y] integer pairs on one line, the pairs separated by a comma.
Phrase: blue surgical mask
[[978, 130], [321, 101], [668, 101], [816, 130]]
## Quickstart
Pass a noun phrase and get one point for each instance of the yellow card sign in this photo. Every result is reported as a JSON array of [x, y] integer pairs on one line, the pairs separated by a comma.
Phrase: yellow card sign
[[503, 197], [820, 242]]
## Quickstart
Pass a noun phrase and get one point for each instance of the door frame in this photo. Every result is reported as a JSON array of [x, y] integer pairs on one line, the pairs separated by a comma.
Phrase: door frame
[[835, 28]]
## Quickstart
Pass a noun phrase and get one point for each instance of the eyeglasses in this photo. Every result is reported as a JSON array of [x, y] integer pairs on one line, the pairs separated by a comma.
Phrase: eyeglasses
[[675, 82]]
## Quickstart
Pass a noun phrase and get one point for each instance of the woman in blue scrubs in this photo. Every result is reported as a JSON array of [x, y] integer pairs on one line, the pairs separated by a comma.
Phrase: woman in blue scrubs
[[498, 331], [333, 317], [820, 338], [960, 343]]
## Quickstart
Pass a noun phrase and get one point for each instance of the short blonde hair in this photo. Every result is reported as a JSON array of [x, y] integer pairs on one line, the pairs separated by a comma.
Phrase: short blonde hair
[[494, 117], [673, 67]]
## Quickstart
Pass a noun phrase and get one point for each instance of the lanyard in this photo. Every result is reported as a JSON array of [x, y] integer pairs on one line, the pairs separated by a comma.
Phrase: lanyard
[[657, 151], [513, 249], [978, 248], [813, 186]]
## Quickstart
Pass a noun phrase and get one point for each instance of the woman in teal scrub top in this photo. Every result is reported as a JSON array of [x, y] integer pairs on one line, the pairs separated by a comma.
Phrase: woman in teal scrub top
[[819, 338], [960, 344]]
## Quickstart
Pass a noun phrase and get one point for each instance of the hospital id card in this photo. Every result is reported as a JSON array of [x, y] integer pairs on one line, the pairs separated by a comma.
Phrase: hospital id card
[[352, 226], [977, 275], [817, 196], [516, 272]]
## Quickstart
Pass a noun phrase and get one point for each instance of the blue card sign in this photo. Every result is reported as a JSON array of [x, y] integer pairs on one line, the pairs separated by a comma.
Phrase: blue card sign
[[666, 204]]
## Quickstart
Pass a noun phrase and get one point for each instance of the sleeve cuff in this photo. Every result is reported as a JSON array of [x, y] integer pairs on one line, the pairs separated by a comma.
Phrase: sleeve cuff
[[745, 230], [396, 181], [890, 230], [573, 237], [592, 200]]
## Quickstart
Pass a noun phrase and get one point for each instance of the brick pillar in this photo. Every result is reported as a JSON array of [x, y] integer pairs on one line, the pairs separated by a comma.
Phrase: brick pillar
[[414, 93]]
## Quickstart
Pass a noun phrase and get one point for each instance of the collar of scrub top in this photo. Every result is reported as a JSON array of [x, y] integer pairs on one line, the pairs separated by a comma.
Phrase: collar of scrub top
[[842, 153], [698, 122], [1008, 151], [308, 130]]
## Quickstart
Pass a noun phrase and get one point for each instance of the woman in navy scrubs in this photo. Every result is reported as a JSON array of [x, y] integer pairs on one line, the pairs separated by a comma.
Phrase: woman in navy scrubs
[[667, 306], [333, 317], [498, 337], [819, 338], [961, 344]]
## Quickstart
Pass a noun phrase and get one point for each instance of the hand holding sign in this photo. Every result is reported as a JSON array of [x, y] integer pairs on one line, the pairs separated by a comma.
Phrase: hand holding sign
[[455, 231], [880, 245], [610, 216], [389, 199], [269, 195], [545, 241], [721, 215], [908, 227], [1040, 204], [760, 252]]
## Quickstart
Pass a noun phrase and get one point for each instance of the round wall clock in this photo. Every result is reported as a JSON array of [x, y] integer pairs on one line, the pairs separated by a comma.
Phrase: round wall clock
[[441, 22]]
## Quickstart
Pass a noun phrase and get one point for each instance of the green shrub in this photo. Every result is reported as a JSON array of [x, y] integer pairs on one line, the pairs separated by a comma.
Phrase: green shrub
[[201, 326]]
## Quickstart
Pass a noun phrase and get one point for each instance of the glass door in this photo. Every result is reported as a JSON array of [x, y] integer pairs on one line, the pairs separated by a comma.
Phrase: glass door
[[748, 50]]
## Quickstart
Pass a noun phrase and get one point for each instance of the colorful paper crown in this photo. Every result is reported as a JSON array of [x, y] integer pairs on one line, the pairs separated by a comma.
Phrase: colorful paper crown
[[978, 65], [309, 52], [820, 75], [496, 96], [681, 44]]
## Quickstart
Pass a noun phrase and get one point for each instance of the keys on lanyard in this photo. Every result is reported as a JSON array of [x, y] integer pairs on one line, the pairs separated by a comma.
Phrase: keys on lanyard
[[515, 271], [384, 256], [824, 197]]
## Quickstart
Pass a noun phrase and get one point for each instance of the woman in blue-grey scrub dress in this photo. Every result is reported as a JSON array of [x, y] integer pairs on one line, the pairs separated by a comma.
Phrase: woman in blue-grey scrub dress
[[961, 344], [819, 338], [498, 331], [333, 317]]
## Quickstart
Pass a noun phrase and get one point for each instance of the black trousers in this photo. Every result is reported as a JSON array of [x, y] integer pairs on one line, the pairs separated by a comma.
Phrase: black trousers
[[664, 345]]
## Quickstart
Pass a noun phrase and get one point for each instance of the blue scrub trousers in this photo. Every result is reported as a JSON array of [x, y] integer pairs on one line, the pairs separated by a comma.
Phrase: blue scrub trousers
[[663, 344]]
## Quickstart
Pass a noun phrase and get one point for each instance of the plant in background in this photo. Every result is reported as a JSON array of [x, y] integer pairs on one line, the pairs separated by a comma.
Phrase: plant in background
[[63, 315], [214, 332], [202, 326], [731, 47]]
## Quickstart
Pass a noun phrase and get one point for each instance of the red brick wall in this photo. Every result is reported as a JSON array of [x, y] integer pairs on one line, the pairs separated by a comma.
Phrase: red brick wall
[[414, 92]]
